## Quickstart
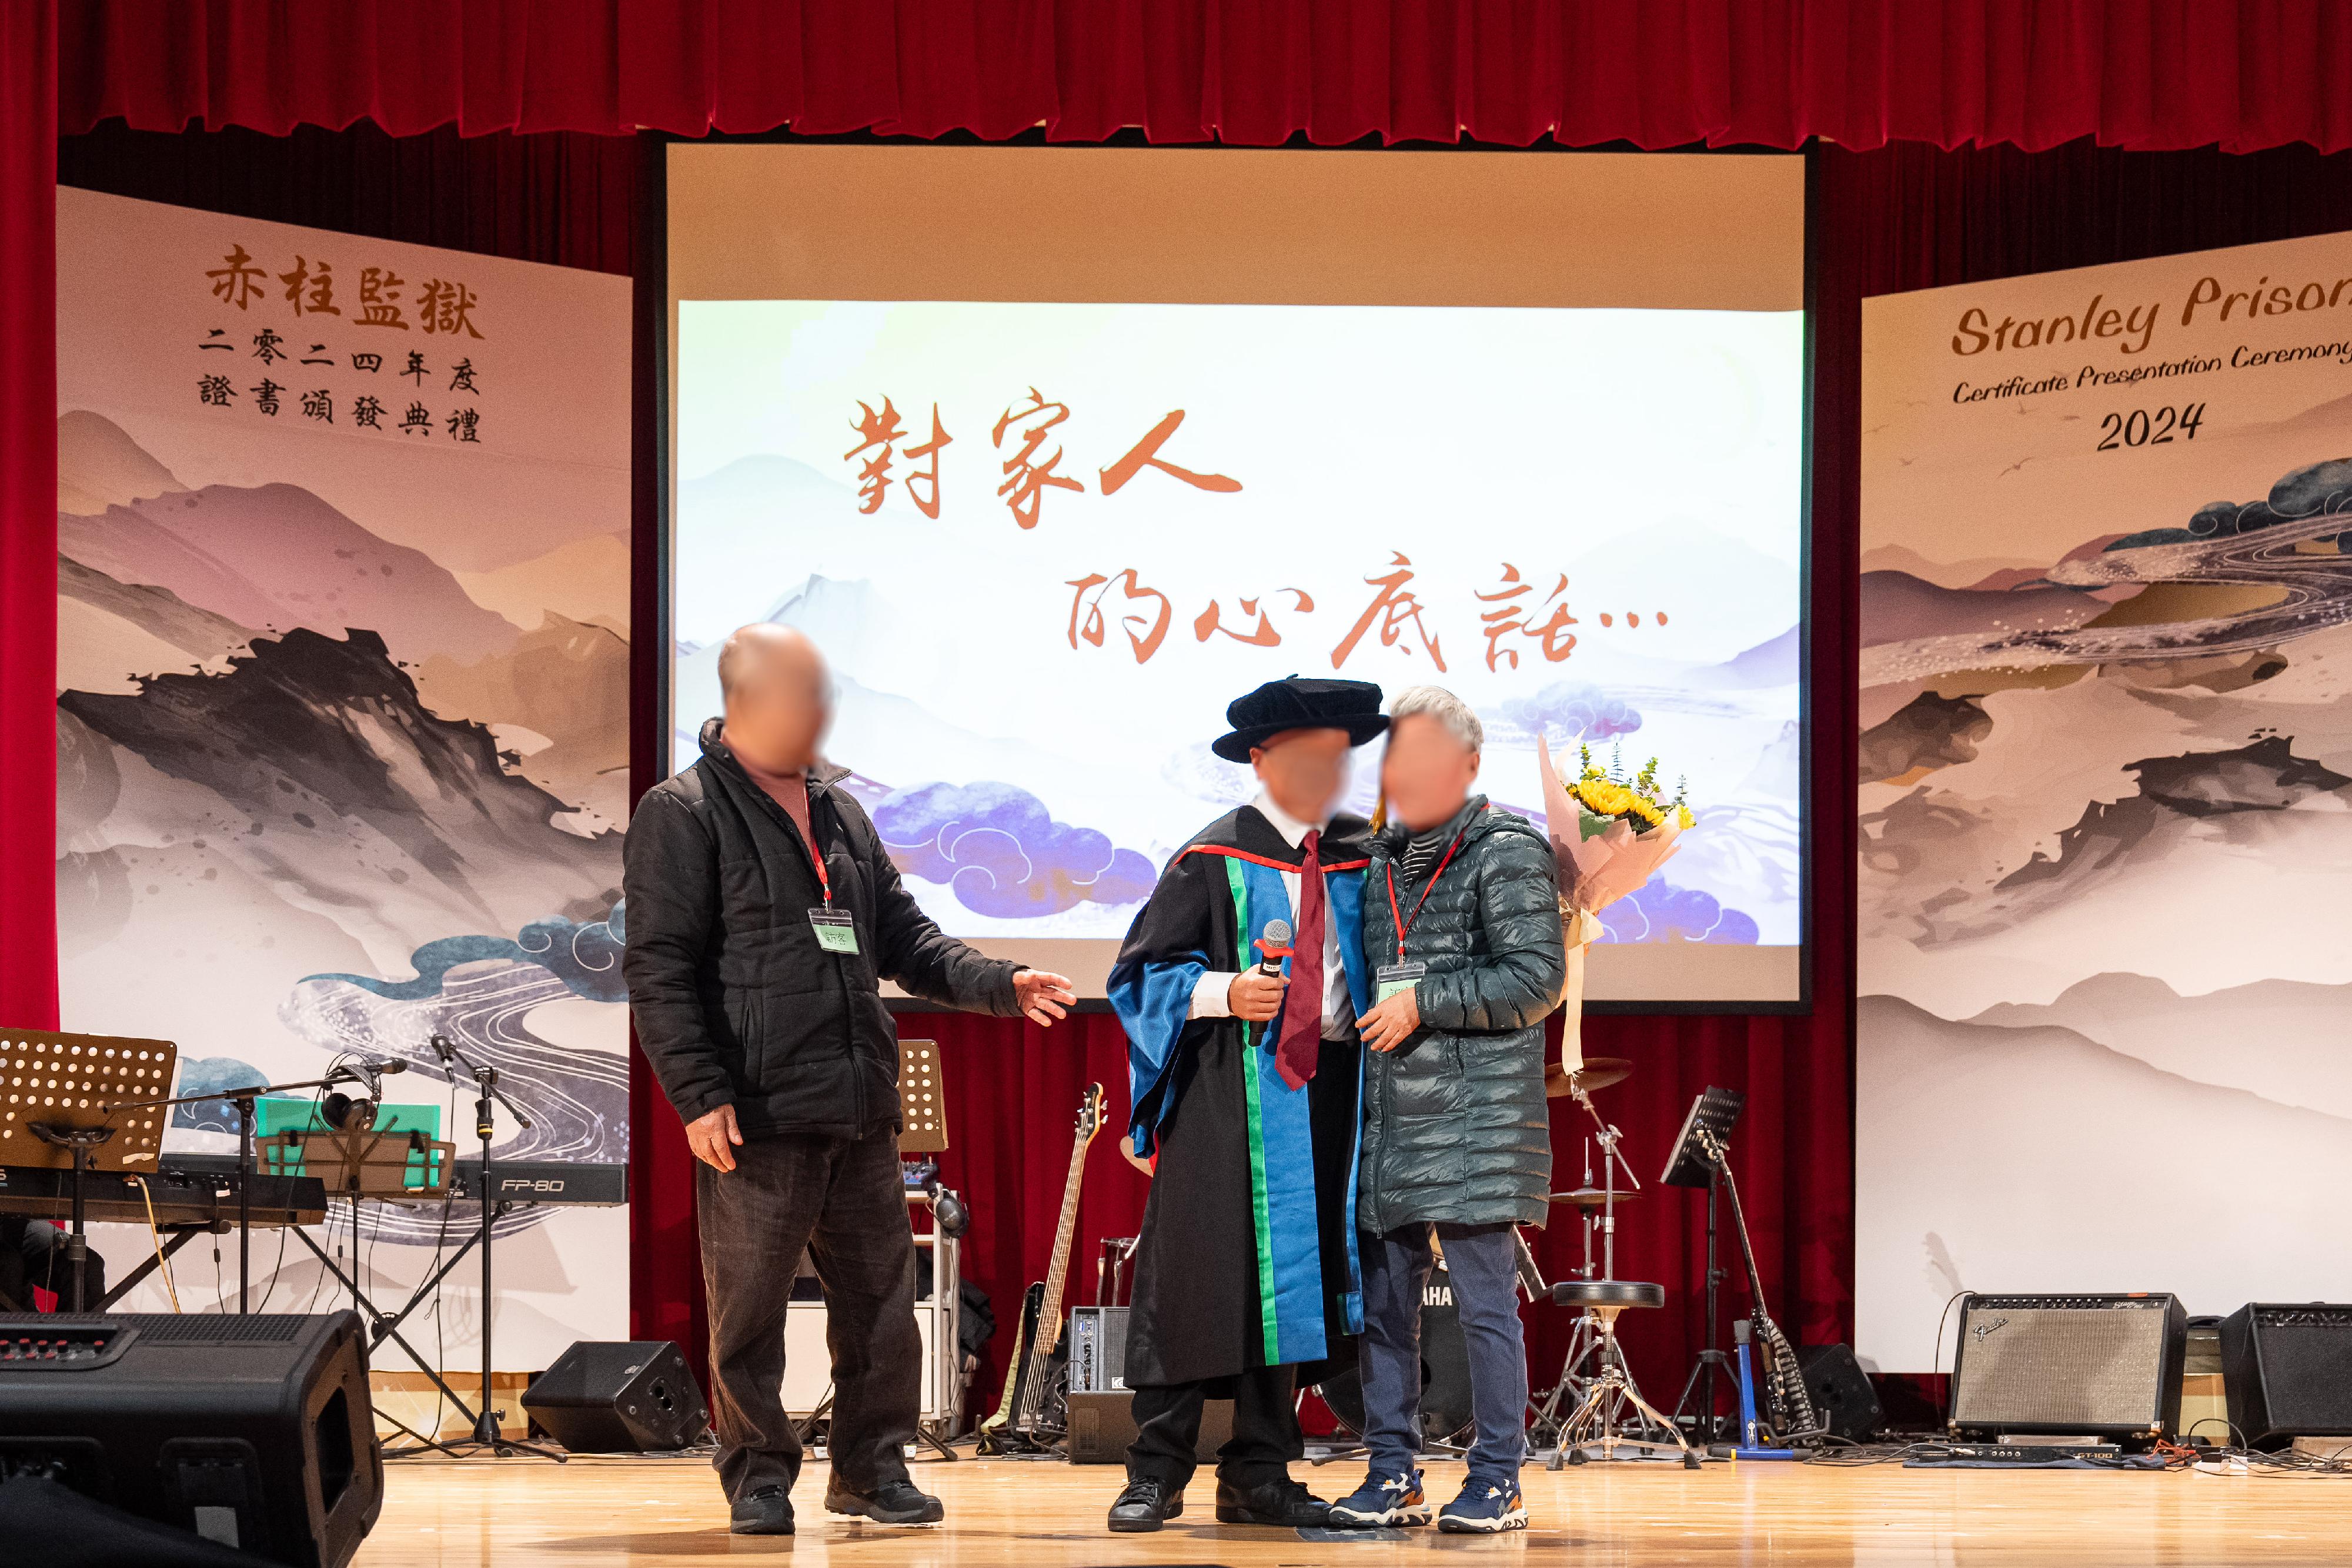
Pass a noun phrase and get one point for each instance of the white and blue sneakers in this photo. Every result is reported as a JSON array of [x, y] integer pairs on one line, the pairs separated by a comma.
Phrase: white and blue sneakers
[[1382, 1500], [1484, 1508]]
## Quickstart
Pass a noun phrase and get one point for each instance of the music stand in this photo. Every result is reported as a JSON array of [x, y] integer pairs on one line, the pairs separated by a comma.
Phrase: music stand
[[922, 1130], [1708, 1123], [922, 1099], [359, 1161], [60, 1112]]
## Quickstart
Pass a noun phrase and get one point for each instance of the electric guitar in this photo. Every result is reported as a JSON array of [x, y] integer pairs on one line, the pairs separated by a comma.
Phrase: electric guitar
[[1788, 1405], [1034, 1406]]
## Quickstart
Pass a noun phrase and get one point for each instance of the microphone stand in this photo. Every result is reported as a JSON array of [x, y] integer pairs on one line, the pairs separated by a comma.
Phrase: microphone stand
[[485, 1085]]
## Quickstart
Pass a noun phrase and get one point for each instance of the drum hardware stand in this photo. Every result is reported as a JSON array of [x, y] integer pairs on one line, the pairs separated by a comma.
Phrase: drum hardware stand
[[1607, 1393], [1110, 1269], [1601, 1398], [1583, 1335]]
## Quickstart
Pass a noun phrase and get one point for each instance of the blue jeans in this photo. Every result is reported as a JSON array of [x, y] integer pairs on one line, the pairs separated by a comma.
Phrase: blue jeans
[[1484, 1263]]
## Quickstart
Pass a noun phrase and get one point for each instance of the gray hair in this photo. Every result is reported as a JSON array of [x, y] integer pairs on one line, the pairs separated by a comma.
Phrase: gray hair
[[1446, 708]]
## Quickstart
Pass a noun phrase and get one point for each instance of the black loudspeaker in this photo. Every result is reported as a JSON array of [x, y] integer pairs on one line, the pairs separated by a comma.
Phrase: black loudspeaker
[[253, 1431], [2104, 1366], [1102, 1425], [2286, 1371], [1842, 1392], [619, 1396]]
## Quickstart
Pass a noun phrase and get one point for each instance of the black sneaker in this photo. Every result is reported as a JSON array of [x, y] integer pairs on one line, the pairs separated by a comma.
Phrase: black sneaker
[[895, 1502], [1284, 1504], [767, 1512], [1145, 1504]]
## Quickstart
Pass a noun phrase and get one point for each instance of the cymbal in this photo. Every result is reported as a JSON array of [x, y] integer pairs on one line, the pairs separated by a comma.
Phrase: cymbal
[[1591, 1197], [1597, 1072]]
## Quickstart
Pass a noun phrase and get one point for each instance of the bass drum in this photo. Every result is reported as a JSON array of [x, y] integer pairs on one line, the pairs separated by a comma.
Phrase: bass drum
[[1445, 1371]]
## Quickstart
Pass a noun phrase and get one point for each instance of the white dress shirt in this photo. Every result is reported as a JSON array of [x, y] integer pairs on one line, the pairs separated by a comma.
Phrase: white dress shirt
[[1210, 999]]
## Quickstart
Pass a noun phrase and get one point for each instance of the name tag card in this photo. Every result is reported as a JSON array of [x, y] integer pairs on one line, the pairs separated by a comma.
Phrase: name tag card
[[1390, 979], [836, 931]]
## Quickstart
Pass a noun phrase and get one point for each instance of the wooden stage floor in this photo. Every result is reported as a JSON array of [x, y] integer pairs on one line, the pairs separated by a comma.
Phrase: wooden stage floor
[[598, 1512]]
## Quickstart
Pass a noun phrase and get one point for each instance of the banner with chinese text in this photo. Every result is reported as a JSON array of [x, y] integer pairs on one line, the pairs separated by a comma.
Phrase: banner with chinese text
[[343, 709]]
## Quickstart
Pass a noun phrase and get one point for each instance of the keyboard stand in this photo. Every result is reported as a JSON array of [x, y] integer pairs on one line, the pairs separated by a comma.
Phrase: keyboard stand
[[382, 1328], [181, 1235], [360, 1163]]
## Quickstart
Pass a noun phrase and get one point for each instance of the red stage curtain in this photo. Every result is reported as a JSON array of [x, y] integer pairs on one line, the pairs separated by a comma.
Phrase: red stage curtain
[[1901, 217], [2143, 74], [28, 518]]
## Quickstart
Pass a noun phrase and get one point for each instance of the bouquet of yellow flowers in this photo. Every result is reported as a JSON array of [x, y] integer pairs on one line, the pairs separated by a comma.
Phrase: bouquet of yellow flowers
[[1610, 834]]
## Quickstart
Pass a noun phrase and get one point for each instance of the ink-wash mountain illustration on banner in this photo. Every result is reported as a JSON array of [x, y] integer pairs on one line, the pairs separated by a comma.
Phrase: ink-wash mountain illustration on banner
[[343, 709], [2105, 786]]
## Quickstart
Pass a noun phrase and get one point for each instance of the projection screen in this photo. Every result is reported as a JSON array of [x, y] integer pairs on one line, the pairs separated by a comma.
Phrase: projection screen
[[1055, 452]]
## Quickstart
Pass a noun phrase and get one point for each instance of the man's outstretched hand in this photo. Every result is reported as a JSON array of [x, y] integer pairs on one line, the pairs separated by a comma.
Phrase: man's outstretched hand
[[713, 1138], [1043, 997]]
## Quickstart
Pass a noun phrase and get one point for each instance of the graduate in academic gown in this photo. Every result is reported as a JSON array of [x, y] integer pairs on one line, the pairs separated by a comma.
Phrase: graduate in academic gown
[[1246, 1090]]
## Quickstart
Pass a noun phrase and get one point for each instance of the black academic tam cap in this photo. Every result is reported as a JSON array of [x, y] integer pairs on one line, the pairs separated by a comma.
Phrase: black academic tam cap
[[1301, 703]]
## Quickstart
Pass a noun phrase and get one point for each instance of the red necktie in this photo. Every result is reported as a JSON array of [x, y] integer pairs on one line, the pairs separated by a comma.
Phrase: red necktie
[[1301, 1040]]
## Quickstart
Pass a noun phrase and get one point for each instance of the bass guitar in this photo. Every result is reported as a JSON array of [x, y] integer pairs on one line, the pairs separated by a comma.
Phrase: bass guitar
[[1034, 1410], [1788, 1403]]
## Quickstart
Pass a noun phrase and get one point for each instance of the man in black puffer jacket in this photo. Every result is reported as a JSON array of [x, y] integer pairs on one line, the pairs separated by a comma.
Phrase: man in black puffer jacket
[[754, 968], [1461, 915]]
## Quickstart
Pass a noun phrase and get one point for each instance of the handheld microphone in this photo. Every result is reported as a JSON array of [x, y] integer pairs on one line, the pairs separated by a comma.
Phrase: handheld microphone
[[1274, 945], [382, 1068]]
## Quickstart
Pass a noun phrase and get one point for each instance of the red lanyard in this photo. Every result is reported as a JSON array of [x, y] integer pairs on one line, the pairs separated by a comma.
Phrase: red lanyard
[[1402, 923], [824, 882]]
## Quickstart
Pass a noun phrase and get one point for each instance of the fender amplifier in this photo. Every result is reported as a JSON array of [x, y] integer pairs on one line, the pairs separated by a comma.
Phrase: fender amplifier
[[2106, 1366], [253, 1431], [2286, 1371]]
